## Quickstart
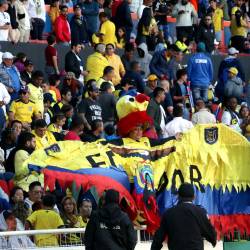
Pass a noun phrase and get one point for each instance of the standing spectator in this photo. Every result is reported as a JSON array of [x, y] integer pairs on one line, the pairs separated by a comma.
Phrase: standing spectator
[[36, 92], [27, 73], [107, 30], [144, 58], [185, 16], [76, 129], [89, 108], [206, 33], [96, 63], [108, 75], [62, 27], [54, 12], [178, 124], [115, 61], [51, 66], [85, 210], [14, 34], [9, 75], [185, 224], [23, 20], [202, 114], [123, 18], [151, 84], [128, 55], [78, 27], [37, 14], [101, 224], [174, 65], [135, 4], [200, 72], [90, 9], [95, 133], [107, 5], [228, 62], [108, 103], [156, 111], [4, 21], [167, 104], [4, 100]]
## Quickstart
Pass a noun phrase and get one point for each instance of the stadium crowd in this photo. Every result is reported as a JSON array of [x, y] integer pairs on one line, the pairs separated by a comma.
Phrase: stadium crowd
[[79, 102]]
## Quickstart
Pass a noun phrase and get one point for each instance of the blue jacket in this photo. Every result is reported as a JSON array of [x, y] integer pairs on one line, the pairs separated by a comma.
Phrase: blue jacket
[[140, 85], [90, 12], [200, 70], [159, 64]]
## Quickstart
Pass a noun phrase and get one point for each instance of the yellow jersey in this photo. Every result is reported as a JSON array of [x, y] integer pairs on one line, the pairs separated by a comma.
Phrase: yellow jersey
[[36, 95], [217, 19], [45, 141], [108, 30]]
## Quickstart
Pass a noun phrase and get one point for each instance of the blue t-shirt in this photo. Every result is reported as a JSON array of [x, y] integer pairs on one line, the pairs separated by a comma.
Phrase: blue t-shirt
[[183, 89]]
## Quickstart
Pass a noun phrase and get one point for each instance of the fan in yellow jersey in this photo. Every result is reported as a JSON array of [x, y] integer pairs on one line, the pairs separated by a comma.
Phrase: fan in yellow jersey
[[24, 109], [45, 218]]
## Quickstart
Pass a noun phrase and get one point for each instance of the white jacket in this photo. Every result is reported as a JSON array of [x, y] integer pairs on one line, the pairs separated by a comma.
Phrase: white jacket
[[37, 9], [22, 9], [4, 96]]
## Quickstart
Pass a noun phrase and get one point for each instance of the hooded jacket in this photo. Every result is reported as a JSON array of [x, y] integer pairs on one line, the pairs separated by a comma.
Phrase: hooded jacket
[[145, 60], [159, 64], [110, 228]]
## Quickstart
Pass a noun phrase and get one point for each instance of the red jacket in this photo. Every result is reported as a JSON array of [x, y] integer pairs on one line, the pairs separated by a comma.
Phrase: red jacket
[[62, 29]]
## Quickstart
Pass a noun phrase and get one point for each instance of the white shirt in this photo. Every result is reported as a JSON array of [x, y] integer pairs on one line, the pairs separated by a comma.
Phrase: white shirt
[[227, 120], [203, 116], [32, 9], [22, 8], [4, 96], [177, 125], [4, 18]]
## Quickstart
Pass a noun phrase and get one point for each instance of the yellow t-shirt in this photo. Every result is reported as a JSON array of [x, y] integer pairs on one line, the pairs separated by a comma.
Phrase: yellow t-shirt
[[101, 80], [121, 44], [146, 31], [23, 112], [36, 95], [45, 219], [238, 31], [217, 17], [53, 128], [108, 29], [234, 9], [45, 141]]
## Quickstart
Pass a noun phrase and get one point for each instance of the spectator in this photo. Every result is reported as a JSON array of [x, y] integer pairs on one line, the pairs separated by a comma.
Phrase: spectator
[[14, 33], [89, 108], [181, 44], [156, 111], [234, 85], [19, 61], [54, 82], [16, 195], [185, 17], [51, 58], [54, 12], [90, 9], [68, 112], [110, 133], [198, 225], [36, 92], [178, 124], [37, 13], [85, 210], [115, 61], [230, 117], [202, 115], [78, 26], [108, 75], [62, 27], [45, 218], [108, 103], [159, 64], [26, 75], [107, 30], [144, 58], [200, 72], [44, 138], [174, 65], [9, 75], [95, 133], [111, 216], [128, 55], [96, 63], [135, 74], [4, 21], [245, 121], [135, 4], [206, 33], [121, 38], [23, 109], [57, 123], [23, 20], [4, 100], [123, 18], [76, 129], [145, 4], [48, 102], [35, 194], [151, 84], [167, 104], [107, 5], [128, 86]]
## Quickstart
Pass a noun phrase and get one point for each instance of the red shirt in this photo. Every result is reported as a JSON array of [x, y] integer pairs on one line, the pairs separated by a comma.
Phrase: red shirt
[[50, 51], [72, 136]]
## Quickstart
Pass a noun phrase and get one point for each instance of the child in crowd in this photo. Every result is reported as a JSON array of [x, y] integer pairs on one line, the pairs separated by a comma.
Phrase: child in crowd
[[58, 121]]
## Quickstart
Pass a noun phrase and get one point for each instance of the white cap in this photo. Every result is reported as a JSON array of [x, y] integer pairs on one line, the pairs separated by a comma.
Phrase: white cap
[[232, 51], [7, 55]]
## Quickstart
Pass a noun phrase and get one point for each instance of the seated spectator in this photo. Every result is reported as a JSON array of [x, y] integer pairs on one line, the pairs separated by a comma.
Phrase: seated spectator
[[23, 109], [76, 129], [44, 138], [66, 99], [128, 55], [35, 194], [245, 121], [234, 85], [54, 82], [20, 61], [4, 101], [108, 75], [57, 123], [85, 210], [181, 44], [68, 112], [202, 114], [8, 222], [110, 133], [108, 103], [45, 218], [178, 124], [121, 38], [48, 103], [230, 117], [95, 133], [26, 75], [46, 90], [151, 84]]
